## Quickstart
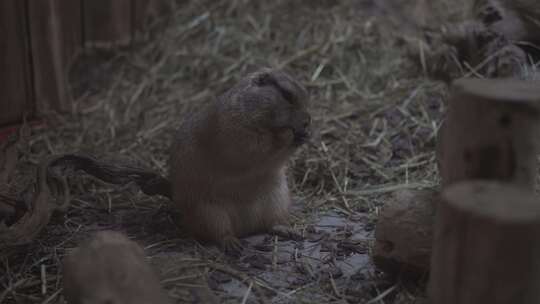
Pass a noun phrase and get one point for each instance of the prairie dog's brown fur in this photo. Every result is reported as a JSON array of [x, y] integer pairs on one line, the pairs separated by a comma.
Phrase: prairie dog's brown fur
[[110, 268], [518, 20], [228, 161]]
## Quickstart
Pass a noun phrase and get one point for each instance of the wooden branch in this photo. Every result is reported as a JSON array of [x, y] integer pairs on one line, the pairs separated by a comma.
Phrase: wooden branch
[[20, 222], [490, 132], [26, 227], [486, 245]]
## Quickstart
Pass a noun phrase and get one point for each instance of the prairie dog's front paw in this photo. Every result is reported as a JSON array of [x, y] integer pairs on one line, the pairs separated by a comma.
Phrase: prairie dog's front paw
[[232, 246], [286, 232]]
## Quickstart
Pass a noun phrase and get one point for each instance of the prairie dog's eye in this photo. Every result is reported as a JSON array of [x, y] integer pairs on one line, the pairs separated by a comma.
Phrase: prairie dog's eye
[[288, 96], [263, 79]]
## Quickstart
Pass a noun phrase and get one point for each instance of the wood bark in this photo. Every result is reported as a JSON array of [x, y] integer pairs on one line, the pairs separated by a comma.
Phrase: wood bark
[[21, 221], [486, 245], [490, 132]]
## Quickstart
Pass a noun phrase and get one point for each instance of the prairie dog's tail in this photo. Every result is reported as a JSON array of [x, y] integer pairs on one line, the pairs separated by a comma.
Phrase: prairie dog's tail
[[150, 183]]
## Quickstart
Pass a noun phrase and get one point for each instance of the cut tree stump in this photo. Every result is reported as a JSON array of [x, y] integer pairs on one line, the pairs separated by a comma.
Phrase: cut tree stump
[[15, 73], [490, 132], [486, 245], [404, 233]]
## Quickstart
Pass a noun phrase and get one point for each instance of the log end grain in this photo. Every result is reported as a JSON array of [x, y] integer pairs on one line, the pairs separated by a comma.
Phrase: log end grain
[[505, 90]]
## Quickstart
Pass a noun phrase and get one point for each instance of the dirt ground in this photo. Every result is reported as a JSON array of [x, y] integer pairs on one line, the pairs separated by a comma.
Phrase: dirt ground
[[375, 118]]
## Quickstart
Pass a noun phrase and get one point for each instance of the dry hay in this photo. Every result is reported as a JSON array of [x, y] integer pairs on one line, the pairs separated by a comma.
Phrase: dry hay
[[375, 119]]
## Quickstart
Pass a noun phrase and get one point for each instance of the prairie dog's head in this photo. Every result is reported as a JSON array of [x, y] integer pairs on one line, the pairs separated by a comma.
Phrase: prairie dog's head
[[273, 105]]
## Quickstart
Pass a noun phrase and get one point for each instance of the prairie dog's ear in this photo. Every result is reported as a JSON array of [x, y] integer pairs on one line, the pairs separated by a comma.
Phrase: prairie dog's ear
[[263, 78]]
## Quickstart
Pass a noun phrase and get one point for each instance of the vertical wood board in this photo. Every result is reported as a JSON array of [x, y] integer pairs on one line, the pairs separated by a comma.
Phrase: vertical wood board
[[15, 83], [50, 83], [107, 23], [71, 19]]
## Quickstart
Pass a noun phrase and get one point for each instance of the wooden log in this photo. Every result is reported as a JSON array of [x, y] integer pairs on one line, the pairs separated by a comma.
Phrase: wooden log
[[404, 233], [485, 116], [16, 93], [107, 23], [110, 268], [490, 132], [486, 245]]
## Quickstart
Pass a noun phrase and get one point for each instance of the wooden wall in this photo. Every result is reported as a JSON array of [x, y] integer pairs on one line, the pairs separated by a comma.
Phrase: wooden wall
[[39, 39]]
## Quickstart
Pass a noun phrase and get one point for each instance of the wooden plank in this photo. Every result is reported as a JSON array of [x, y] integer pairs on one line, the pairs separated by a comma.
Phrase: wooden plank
[[139, 16], [15, 84], [50, 79], [70, 13], [107, 23]]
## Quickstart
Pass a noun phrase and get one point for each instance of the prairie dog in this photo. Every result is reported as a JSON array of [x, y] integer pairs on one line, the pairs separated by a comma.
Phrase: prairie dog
[[516, 19], [228, 161], [110, 268]]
